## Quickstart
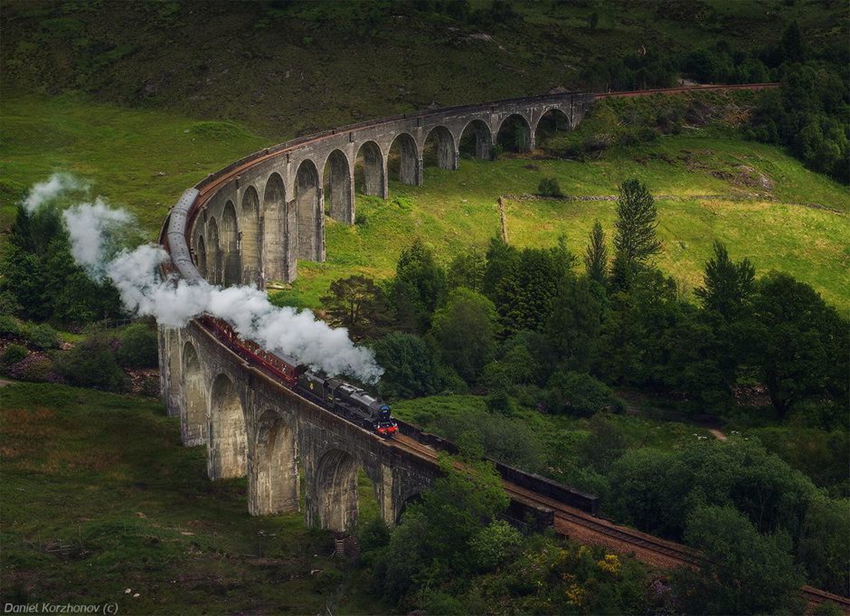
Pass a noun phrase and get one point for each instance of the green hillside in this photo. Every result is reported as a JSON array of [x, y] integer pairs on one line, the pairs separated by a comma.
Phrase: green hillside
[[287, 67], [795, 220]]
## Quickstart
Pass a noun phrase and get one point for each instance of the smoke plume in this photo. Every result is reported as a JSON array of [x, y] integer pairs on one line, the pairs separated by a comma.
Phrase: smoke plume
[[95, 230], [42, 192]]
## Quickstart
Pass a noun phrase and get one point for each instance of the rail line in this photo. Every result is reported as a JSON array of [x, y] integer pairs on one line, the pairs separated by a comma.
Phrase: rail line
[[580, 526], [568, 521]]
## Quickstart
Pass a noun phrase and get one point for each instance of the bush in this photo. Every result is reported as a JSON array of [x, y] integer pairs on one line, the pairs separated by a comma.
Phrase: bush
[[580, 394], [43, 336], [9, 326], [12, 355], [138, 347], [92, 364], [548, 187], [35, 368]]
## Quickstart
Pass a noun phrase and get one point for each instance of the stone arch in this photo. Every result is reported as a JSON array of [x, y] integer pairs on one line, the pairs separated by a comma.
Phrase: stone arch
[[308, 212], [439, 149], [476, 141], [552, 121], [201, 255], [274, 229], [335, 486], [337, 180], [514, 134], [369, 176], [214, 261], [229, 238], [403, 162], [274, 473], [414, 498], [226, 435], [251, 251], [193, 425]]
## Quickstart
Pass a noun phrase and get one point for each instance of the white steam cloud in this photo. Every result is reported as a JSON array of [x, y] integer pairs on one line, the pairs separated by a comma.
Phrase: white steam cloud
[[94, 229], [42, 192]]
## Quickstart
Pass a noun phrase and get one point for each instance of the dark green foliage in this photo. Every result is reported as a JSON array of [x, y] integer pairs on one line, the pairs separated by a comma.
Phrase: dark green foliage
[[579, 394], [801, 346], [746, 572], [12, 355], [41, 275], [433, 540], [359, 305], [524, 284], [465, 332], [92, 363], [825, 544], [596, 256], [418, 289], [410, 364], [467, 270], [728, 286], [657, 491], [574, 323], [9, 326], [42, 336], [636, 240], [810, 115], [138, 347], [505, 439], [548, 187]]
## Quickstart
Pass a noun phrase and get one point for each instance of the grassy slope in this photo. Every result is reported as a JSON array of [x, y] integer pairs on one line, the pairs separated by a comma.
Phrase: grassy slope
[[140, 159], [105, 475], [121, 152], [321, 64], [456, 209]]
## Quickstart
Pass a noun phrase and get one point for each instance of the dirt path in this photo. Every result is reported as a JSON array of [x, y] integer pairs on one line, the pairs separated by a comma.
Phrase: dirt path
[[4, 382], [718, 434]]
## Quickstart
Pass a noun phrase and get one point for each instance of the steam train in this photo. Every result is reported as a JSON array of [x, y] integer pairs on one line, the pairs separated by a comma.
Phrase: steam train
[[339, 397]]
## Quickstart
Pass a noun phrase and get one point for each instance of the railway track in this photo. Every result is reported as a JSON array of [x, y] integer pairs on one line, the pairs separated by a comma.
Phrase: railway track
[[584, 528], [568, 521]]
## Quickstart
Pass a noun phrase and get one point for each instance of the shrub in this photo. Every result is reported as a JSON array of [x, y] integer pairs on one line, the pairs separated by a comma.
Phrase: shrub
[[12, 355], [43, 336], [35, 368], [9, 326], [580, 394], [138, 347], [548, 187], [92, 364]]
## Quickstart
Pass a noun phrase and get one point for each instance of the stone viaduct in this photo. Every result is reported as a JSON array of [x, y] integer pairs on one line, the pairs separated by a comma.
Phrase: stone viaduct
[[250, 224]]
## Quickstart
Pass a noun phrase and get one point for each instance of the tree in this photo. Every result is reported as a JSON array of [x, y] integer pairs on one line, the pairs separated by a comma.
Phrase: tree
[[728, 287], [465, 331], [800, 344], [596, 257], [410, 366], [574, 323], [745, 572], [419, 287], [467, 270], [635, 241], [579, 394], [358, 304]]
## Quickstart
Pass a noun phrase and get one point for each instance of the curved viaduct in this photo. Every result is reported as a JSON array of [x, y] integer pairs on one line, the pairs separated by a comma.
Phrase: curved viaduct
[[250, 223]]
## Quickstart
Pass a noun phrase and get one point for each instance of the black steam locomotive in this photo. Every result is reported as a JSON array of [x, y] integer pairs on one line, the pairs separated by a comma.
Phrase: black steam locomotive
[[339, 397]]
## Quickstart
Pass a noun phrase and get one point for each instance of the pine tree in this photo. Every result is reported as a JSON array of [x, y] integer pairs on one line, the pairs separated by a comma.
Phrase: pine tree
[[636, 241], [596, 258]]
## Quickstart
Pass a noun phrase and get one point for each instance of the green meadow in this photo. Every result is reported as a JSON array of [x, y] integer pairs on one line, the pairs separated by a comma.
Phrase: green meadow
[[101, 504]]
